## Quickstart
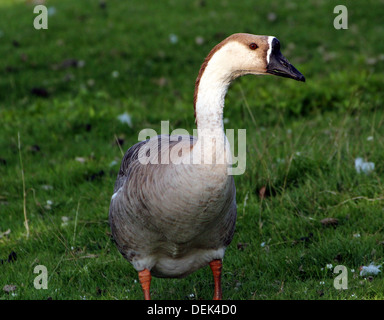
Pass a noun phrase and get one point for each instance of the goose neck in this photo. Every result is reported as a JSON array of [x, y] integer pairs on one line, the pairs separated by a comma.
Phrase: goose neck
[[209, 103]]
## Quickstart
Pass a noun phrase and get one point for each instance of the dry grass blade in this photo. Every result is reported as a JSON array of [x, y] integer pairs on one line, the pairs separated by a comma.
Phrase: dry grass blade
[[359, 198], [118, 143], [24, 192]]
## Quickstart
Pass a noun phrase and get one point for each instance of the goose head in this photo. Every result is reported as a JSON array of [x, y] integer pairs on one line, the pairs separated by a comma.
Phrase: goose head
[[244, 53], [239, 54]]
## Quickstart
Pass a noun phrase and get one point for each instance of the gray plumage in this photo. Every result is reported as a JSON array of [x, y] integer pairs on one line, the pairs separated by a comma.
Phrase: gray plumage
[[171, 219]]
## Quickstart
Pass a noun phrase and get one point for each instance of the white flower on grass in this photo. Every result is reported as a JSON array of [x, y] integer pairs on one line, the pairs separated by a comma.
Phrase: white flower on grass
[[80, 159], [80, 64], [125, 118], [329, 266], [64, 220], [271, 16], [51, 11], [371, 60], [372, 269], [90, 82], [199, 40], [362, 166], [370, 138], [113, 163], [115, 74], [173, 38], [49, 204]]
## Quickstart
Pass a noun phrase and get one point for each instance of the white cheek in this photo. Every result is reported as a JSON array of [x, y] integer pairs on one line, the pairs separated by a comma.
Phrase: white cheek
[[270, 39]]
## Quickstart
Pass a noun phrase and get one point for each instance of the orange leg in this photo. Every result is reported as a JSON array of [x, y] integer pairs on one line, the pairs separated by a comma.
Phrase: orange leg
[[145, 280], [216, 266]]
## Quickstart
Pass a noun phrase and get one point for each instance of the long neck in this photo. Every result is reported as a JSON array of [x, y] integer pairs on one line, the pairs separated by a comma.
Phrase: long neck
[[210, 90]]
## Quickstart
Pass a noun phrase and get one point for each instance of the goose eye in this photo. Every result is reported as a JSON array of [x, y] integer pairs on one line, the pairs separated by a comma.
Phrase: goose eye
[[253, 46]]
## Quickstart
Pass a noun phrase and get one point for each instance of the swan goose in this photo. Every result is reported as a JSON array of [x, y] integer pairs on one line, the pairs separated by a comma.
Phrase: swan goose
[[171, 219]]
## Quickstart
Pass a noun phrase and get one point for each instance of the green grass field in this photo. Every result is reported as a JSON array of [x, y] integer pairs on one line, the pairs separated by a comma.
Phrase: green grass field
[[62, 90]]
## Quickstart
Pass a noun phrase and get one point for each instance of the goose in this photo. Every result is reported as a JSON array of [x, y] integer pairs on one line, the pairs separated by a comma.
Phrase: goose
[[172, 218]]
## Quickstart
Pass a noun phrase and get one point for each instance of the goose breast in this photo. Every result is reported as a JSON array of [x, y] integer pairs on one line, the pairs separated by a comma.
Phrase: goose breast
[[171, 218]]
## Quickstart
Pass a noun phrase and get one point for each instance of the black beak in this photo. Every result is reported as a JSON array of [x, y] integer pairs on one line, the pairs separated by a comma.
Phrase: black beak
[[279, 66]]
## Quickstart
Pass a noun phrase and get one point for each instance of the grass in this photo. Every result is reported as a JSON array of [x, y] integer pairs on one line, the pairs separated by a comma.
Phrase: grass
[[62, 89]]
